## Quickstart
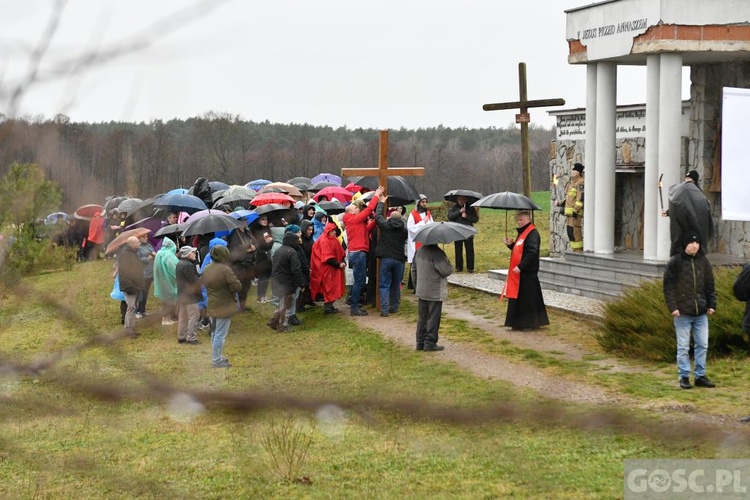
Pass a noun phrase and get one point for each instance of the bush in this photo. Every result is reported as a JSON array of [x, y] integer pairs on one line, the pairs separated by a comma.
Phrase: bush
[[26, 254], [639, 325]]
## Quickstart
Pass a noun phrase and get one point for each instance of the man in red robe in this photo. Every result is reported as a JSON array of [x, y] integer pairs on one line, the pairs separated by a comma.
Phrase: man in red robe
[[327, 268]]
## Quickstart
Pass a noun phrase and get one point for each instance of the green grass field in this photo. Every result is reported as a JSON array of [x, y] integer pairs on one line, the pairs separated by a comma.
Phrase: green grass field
[[331, 411]]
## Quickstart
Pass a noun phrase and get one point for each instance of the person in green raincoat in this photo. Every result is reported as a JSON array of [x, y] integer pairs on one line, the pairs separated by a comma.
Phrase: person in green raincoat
[[165, 280]]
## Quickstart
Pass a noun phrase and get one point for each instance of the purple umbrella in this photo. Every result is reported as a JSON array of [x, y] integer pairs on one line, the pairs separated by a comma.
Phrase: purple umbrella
[[152, 223], [326, 177]]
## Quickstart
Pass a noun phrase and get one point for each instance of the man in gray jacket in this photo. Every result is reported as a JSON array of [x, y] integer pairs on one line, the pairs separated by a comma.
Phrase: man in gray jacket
[[429, 272]]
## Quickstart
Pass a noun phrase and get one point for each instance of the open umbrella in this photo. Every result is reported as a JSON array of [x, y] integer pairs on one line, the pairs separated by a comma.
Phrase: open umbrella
[[331, 192], [443, 232], [113, 202], [247, 215], [170, 229], [142, 210], [400, 191], [332, 207], [284, 187], [354, 188], [276, 213], [326, 177], [212, 223], [507, 201], [123, 238], [233, 201], [55, 217], [258, 184], [218, 185], [178, 191], [126, 206], [236, 189], [321, 185], [266, 198], [302, 183], [86, 212], [181, 203], [471, 196]]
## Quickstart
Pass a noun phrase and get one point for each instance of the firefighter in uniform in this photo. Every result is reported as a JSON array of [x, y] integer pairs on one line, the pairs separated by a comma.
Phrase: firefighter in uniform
[[573, 210]]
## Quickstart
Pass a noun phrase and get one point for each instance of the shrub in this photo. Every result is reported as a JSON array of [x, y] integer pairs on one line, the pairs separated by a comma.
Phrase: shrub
[[639, 325]]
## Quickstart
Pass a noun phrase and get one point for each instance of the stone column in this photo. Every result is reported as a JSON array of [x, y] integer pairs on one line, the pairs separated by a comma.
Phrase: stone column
[[651, 207], [589, 160], [670, 113], [604, 182]]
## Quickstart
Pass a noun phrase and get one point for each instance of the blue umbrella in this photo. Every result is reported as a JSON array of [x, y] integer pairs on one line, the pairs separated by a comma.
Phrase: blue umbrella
[[181, 203], [56, 217], [247, 215], [178, 191], [258, 184]]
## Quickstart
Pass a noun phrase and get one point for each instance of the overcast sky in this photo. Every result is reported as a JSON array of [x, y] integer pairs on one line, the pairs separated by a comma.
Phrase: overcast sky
[[354, 63]]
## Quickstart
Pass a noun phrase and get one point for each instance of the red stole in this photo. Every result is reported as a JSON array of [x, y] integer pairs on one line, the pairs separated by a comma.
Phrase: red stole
[[417, 219], [510, 289]]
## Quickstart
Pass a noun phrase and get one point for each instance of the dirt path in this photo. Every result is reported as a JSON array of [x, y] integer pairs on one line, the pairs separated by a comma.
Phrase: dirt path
[[527, 377]]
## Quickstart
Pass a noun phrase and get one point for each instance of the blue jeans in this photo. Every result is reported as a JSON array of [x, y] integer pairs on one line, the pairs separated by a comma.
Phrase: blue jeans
[[391, 274], [220, 330], [358, 262], [683, 324]]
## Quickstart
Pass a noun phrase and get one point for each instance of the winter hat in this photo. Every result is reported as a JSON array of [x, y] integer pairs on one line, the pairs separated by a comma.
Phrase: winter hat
[[693, 175], [422, 197], [187, 250], [293, 228], [298, 204], [689, 237], [394, 212], [578, 167]]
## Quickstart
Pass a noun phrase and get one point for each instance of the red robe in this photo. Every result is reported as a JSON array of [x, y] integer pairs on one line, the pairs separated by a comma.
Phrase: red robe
[[510, 289], [324, 278]]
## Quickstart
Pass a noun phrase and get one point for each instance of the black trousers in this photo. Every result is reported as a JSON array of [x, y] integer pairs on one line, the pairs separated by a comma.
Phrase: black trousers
[[458, 246], [428, 322]]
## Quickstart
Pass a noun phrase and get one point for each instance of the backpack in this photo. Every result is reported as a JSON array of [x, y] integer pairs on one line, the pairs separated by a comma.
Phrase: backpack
[[741, 287]]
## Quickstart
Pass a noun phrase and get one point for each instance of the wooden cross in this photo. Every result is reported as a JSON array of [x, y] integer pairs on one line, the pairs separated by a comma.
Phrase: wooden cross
[[524, 118], [383, 172]]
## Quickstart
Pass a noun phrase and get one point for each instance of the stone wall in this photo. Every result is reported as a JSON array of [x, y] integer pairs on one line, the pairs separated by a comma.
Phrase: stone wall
[[707, 80]]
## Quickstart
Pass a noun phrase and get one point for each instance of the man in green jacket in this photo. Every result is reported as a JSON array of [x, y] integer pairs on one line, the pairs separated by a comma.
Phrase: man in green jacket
[[222, 286]]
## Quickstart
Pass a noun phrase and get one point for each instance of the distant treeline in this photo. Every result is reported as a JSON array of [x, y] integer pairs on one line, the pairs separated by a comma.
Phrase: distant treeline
[[94, 160]]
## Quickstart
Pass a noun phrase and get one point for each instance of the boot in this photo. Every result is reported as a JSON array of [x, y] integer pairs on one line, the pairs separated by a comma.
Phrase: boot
[[294, 320], [329, 308]]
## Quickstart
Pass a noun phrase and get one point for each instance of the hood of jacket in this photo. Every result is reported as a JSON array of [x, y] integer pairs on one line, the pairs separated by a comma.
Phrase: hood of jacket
[[290, 239], [220, 253]]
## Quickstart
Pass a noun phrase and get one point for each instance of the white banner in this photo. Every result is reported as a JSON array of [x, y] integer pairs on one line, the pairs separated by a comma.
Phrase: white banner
[[735, 157]]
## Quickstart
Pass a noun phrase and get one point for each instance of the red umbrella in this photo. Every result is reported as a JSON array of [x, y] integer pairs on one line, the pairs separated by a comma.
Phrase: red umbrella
[[86, 212], [353, 187], [337, 192], [266, 198]]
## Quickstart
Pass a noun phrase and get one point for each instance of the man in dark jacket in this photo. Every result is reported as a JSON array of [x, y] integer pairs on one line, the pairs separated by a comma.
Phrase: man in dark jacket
[[690, 296], [390, 251], [188, 295], [130, 268], [286, 277], [462, 213]]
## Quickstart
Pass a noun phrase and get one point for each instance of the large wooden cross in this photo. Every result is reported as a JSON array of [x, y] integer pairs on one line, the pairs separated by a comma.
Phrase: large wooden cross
[[383, 172], [524, 118]]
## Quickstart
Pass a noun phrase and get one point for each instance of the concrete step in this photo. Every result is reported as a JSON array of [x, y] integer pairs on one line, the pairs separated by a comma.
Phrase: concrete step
[[596, 272], [595, 289], [627, 261]]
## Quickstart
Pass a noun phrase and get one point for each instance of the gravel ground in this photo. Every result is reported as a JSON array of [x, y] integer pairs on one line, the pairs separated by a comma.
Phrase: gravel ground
[[555, 300]]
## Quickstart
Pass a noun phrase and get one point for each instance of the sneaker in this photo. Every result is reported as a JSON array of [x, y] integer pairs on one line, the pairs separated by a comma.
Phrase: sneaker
[[262, 300], [138, 316], [433, 347], [384, 314], [181, 341], [685, 383], [330, 310], [294, 320], [203, 327], [167, 322], [193, 342], [703, 382], [358, 312], [393, 310], [224, 363]]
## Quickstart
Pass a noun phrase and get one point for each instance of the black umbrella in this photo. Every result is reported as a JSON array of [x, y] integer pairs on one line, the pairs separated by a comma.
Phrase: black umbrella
[[170, 229], [181, 203], [444, 232], [400, 191], [142, 210], [218, 185], [471, 196], [302, 183], [507, 201], [332, 207], [113, 202], [277, 214], [212, 223], [128, 204], [233, 201], [320, 185]]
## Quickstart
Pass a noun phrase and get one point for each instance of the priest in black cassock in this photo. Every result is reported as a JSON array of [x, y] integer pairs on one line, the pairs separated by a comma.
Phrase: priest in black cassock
[[526, 310]]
